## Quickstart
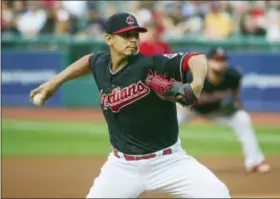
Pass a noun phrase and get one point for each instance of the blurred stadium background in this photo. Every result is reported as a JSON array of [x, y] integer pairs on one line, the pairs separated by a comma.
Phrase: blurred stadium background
[[57, 151]]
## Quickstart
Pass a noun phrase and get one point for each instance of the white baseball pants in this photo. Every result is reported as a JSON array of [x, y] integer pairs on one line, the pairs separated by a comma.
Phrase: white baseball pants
[[177, 174], [240, 122]]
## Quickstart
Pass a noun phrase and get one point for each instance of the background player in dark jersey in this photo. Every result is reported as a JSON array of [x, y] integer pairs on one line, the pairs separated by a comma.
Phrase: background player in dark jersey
[[143, 129], [220, 102]]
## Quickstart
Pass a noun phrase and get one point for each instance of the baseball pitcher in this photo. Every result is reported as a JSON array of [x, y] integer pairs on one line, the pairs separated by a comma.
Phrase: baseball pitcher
[[138, 96]]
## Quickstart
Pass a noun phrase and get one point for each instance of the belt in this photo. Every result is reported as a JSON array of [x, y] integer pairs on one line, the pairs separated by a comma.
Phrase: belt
[[141, 157]]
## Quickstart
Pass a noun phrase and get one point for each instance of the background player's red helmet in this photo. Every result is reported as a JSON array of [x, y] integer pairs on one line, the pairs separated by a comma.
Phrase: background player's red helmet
[[122, 22]]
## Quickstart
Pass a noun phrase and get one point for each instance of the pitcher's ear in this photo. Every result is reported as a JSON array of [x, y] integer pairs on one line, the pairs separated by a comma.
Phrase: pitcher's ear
[[109, 39]]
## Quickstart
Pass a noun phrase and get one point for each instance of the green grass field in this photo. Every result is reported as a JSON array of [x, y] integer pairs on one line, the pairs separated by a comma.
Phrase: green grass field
[[49, 138]]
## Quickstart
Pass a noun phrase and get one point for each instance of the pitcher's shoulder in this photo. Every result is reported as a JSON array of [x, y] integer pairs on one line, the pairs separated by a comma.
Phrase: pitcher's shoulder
[[143, 61], [98, 59], [153, 59], [101, 55]]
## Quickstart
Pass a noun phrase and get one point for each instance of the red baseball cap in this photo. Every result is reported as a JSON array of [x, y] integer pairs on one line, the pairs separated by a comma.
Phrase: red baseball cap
[[122, 22]]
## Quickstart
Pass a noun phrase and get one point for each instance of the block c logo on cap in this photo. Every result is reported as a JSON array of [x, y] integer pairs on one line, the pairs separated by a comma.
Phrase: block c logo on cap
[[129, 20]]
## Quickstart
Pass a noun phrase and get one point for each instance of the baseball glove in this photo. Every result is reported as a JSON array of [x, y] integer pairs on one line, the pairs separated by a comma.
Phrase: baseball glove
[[170, 89]]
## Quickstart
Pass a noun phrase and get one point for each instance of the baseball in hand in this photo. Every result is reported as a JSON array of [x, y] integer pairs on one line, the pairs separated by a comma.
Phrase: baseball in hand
[[37, 100]]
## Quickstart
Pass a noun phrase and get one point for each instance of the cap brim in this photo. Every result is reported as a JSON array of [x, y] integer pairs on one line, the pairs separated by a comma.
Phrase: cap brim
[[130, 28]]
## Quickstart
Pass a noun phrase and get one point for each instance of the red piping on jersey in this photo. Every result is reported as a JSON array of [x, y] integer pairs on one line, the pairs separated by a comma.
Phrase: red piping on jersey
[[89, 58], [185, 64]]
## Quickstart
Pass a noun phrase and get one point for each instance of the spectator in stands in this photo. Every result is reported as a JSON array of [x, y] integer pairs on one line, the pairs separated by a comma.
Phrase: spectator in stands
[[227, 7], [217, 25], [249, 27], [77, 9], [151, 43], [93, 5], [142, 13], [158, 13], [7, 18], [193, 15], [170, 22], [240, 8], [49, 25], [95, 24], [63, 21], [10, 13], [273, 25], [32, 21], [111, 9], [258, 13], [173, 19], [48, 4], [18, 7]]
